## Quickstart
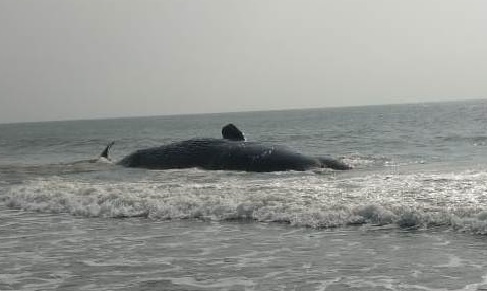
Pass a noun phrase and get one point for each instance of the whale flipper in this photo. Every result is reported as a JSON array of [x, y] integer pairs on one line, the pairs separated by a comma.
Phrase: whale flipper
[[231, 132], [105, 152], [333, 164]]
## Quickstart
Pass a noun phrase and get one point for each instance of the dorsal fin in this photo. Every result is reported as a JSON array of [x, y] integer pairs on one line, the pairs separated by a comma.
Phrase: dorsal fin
[[105, 152], [231, 132]]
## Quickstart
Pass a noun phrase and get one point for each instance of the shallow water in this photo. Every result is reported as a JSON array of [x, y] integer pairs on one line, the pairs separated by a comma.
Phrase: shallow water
[[45, 252], [411, 215]]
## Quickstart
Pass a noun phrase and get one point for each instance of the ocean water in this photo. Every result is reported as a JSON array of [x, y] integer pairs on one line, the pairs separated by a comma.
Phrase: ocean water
[[411, 215]]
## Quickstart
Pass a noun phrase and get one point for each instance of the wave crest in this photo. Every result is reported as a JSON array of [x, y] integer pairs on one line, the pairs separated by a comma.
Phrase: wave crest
[[405, 201]]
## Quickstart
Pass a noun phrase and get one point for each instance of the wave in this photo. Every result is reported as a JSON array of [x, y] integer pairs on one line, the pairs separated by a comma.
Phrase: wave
[[411, 201], [477, 140]]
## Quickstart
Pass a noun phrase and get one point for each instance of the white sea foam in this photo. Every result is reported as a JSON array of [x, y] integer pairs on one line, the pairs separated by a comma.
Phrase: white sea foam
[[212, 283], [455, 200]]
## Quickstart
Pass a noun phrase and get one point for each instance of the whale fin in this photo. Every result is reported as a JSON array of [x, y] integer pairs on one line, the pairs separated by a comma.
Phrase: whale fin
[[105, 152], [231, 132]]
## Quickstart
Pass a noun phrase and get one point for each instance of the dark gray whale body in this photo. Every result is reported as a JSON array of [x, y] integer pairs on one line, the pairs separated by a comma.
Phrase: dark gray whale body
[[216, 154], [225, 154]]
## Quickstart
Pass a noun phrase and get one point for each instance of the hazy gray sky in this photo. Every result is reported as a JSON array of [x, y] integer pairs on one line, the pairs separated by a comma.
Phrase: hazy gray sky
[[76, 59]]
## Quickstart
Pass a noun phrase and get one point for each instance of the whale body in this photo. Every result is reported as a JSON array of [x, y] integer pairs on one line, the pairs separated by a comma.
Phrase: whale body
[[230, 153], [216, 154]]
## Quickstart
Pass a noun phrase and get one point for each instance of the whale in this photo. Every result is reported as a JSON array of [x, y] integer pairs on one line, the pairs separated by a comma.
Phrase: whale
[[232, 152]]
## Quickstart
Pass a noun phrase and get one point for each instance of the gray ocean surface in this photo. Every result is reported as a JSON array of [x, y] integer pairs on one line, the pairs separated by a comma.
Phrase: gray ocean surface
[[411, 215]]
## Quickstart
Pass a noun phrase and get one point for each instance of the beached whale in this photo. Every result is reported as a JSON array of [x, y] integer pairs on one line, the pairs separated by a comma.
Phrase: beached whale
[[230, 153]]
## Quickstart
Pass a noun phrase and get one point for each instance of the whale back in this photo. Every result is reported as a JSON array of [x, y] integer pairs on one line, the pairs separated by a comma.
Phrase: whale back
[[185, 154], [258, 157], [216, 154], [222, 154]]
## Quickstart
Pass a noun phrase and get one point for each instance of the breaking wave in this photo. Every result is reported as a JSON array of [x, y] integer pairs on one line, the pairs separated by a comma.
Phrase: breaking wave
[[455, 200]]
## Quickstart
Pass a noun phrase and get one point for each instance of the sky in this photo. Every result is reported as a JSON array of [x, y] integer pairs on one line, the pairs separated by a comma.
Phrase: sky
[[84, 59]]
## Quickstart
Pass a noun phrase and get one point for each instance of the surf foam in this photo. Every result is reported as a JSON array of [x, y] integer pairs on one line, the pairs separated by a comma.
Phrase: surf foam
[[457, 201]]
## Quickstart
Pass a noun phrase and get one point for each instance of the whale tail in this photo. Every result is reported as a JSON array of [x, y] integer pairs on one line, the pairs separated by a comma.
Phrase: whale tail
[[231, 132], [104, 154], [333, 164]]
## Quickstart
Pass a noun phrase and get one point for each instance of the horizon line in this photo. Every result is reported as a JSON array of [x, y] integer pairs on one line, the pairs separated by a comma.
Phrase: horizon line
[[100, 118]]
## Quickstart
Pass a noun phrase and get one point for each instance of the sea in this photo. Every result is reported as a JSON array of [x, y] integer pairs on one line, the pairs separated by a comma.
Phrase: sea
[[410, 215]]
